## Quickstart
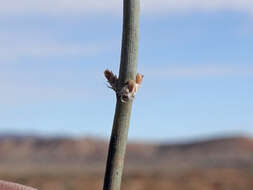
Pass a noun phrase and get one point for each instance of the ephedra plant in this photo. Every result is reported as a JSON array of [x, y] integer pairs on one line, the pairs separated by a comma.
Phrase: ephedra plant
[[125, 87]]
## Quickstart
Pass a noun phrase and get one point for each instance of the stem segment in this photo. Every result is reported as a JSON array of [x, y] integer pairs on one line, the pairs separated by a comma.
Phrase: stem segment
[[128, 68]]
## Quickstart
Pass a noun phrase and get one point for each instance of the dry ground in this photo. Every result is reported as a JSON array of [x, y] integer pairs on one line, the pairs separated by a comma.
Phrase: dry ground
[[210, 179]]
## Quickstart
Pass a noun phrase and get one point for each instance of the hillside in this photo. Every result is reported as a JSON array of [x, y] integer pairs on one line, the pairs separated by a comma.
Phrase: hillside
[[222, 152], [78, 164]]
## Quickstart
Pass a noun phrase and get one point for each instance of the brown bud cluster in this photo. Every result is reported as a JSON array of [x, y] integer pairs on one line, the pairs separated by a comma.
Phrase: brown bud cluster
[[126, 92]]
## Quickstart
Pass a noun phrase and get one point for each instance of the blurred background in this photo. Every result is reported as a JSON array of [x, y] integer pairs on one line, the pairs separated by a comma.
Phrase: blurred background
[[191, 125]]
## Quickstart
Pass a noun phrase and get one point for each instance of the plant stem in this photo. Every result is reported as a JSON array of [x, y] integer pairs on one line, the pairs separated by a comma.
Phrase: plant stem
[[128, 68]]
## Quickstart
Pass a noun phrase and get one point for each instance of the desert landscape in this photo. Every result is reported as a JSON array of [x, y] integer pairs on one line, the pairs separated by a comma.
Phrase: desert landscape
[[63, 163]]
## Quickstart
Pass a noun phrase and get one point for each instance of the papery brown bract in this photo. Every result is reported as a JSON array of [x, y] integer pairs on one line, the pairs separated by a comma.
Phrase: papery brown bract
[[139, 78], [112, 79], [131, 86]]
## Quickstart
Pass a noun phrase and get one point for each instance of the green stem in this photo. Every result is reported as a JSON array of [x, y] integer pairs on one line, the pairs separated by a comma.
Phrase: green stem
[[128, 68]]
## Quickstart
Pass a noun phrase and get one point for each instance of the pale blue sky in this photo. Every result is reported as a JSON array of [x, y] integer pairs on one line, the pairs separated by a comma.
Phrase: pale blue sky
[[196, 57]]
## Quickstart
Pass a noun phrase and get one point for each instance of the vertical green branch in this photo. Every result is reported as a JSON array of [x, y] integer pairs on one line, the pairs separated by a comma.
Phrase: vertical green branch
[[128, 70]]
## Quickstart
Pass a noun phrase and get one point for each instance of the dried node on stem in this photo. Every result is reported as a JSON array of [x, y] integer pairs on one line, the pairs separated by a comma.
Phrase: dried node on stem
[[128, 90]]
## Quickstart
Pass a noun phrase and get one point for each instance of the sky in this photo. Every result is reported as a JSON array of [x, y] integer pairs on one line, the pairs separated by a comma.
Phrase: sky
[[196, 56]]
